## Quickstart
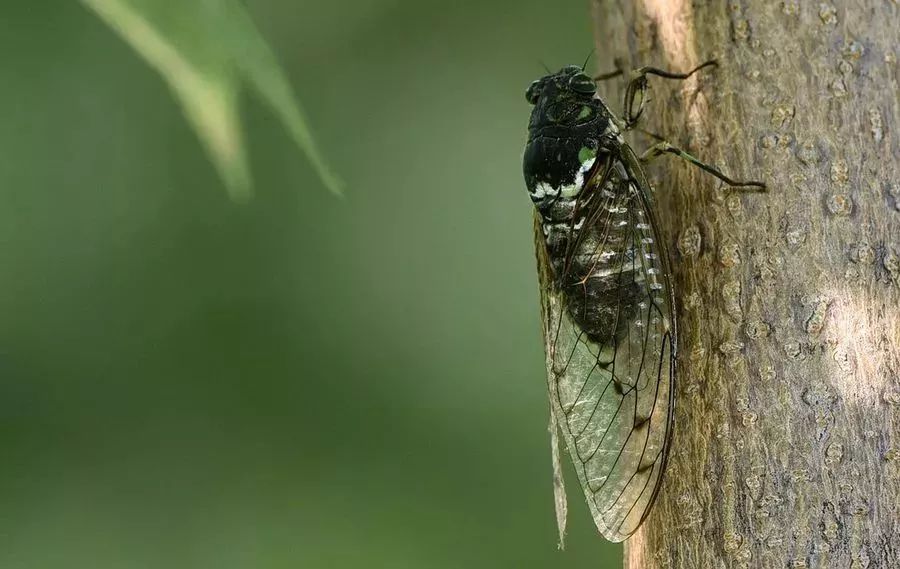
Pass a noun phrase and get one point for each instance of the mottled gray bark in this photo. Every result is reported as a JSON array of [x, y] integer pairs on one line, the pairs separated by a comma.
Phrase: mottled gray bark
[[787, 441]]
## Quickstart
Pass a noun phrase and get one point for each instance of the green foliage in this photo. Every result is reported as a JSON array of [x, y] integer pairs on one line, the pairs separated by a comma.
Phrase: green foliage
[[207, 51]]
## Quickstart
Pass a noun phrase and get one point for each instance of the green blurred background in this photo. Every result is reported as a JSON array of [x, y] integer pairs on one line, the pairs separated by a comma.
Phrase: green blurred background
[[301, 381]]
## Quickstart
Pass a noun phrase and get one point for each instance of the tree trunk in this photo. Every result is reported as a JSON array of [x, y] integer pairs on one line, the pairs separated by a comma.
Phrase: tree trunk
[[786, 450]]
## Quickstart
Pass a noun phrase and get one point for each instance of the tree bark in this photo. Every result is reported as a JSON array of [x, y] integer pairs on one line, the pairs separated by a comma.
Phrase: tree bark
[[786, 450]]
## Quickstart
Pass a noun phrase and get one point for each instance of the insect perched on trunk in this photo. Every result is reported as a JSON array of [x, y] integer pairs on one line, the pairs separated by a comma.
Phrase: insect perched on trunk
[[608, 304]]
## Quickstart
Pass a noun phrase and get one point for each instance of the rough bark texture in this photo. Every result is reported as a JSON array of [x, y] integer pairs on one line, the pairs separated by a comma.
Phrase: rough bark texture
[[787, 438]]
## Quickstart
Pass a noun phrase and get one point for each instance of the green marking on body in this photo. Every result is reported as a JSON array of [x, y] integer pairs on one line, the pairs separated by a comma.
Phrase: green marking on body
[[585, 112], [586, 154]]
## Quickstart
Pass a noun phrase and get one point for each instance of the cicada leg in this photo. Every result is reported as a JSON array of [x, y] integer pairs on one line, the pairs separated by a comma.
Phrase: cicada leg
[[638, 86], [619, 71], [663, 147], [612, 74]]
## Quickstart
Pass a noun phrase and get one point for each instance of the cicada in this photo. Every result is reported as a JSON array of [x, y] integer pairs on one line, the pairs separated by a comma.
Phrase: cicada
[[607, 297]]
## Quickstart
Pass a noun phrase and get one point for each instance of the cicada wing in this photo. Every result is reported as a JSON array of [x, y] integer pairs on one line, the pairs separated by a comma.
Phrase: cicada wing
[[613, 395], [560, 500]]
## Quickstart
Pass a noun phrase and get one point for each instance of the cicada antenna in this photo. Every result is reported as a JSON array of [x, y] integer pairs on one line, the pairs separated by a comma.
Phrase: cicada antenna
[[588, 58]]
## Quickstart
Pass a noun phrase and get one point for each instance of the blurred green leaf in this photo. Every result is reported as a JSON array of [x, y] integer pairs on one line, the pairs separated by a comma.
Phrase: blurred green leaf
[[206, 50]]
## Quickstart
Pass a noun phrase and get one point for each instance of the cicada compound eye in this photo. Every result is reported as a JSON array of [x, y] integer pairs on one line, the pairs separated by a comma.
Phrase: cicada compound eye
[[533, 91], [582, 83]]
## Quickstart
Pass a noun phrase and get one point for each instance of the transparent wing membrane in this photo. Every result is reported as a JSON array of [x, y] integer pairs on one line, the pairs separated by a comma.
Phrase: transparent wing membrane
[[609, 339]]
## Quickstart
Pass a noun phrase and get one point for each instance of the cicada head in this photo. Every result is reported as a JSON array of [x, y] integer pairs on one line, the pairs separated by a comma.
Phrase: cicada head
[[567, 125]]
